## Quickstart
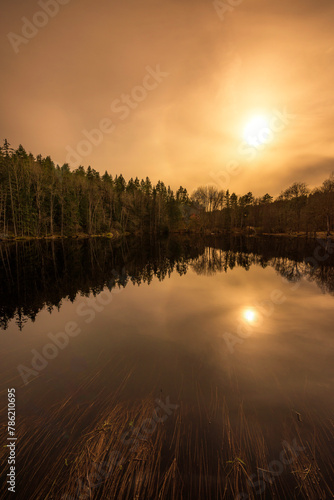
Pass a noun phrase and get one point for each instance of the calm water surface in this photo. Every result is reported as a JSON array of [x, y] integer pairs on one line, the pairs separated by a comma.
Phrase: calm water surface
[[242, 324]]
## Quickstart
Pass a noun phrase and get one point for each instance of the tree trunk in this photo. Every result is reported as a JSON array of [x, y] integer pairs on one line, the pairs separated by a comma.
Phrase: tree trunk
[[12, 203]]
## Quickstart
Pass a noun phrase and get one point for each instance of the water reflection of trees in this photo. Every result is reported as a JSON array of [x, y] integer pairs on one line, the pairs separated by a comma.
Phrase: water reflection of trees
[[300, 263], [215, 260], [40, 275]]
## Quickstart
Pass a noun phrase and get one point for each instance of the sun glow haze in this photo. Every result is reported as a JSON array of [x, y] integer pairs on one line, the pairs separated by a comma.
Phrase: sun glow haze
[[249, 315], [222, 88], [255, 130]]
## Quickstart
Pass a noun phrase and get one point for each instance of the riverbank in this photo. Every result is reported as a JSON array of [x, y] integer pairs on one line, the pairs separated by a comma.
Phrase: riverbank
[[254, 233], [117, 234], [113, 236], [310, 235]]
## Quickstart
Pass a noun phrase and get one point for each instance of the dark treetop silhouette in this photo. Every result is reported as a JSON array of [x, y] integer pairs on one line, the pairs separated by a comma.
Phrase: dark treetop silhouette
[[39, 199]]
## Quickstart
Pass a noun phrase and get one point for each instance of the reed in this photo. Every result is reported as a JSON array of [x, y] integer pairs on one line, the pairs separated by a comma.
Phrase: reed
[[78, 451]]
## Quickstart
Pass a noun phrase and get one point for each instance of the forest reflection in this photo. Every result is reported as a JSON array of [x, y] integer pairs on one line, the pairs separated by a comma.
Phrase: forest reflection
[[41, 274]]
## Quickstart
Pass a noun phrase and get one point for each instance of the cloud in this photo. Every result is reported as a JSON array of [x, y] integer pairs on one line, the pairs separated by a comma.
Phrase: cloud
[[263, 56]]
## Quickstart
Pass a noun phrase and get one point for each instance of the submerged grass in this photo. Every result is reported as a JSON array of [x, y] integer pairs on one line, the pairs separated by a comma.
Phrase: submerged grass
[[77, 451]]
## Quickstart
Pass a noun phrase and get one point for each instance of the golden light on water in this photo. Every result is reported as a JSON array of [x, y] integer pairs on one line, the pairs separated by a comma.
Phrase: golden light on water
[[256, 130]]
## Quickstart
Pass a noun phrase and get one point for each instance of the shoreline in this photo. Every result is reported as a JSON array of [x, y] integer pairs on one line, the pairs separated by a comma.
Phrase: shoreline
[[116, 235], [111, 236]]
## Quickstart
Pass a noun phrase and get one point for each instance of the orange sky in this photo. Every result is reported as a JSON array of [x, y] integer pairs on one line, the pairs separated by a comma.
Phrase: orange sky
[[186, 128]]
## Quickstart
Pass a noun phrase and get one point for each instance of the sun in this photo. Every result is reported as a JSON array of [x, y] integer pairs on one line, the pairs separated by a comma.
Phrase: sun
[[249, 315], [257, 130]]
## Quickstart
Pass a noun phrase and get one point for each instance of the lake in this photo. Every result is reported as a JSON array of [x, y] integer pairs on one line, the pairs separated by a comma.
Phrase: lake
[[185, 367]]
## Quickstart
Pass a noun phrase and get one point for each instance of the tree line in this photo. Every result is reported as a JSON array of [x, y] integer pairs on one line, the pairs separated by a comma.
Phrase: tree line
[[296, 209], [39, 198]]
